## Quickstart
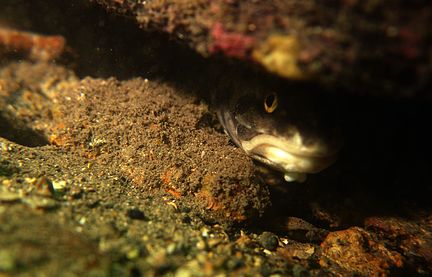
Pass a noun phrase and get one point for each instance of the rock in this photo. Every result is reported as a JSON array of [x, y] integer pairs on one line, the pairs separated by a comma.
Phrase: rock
[[7, 261], [295, 250], [380, 48], [44, 187], [268, 240], [59, 185], [301, 230], [358, 252], [8, 197], [222, 187], [76, 192], [412, 238], [38, 202]]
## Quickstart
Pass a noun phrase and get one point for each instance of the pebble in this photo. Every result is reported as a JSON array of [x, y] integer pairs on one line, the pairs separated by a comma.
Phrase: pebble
[[201, 244], [7, 183], [212, 242], [38, 202], [7, 196], [186, 220], [7, 261], [93, 203], [268, 240], [59, 185], [234, 263], [299, 270], [76, 192], [44, 186], [133, 253], [82, 220], [301, 251], [171, 248]]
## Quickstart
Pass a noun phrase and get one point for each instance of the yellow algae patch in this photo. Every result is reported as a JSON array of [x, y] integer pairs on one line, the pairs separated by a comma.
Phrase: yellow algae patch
[[279, 54]]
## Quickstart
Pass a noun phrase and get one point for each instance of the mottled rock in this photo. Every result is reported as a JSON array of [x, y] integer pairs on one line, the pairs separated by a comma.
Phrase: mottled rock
[[44, 186], [157, 144], [38, 202], [413, 238], [357, 251], [147, 131], [295, 250], [368, 47], [8, 197], [268, 240]]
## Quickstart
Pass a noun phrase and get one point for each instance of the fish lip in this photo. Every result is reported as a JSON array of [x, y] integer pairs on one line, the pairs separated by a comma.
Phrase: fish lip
[[286, 160]]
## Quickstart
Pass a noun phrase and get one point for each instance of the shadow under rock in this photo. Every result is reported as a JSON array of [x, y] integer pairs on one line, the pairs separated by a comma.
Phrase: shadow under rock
[[15, 130], [383, 169]]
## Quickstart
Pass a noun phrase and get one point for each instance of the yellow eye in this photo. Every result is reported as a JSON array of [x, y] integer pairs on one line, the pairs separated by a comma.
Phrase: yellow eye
[[271, 103]]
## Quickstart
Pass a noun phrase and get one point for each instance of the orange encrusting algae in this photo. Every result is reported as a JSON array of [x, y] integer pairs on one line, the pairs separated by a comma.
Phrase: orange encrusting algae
[[34, 46]]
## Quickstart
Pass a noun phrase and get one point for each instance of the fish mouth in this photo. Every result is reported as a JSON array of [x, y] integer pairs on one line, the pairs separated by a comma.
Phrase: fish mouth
[[290, 156]]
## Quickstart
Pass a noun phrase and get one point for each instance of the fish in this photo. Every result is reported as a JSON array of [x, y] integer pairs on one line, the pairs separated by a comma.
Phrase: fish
[[292, 130]]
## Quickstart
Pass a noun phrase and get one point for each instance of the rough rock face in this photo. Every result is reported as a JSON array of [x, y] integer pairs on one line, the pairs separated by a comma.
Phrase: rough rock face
[[368, 47], [356, 251], [140, 129], [162, 140]]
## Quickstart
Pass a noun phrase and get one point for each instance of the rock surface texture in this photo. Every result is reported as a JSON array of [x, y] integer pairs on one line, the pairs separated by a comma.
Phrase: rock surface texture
[[368, 47]]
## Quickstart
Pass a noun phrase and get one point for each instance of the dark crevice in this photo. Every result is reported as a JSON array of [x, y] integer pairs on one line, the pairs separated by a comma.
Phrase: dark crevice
[[17, 131]]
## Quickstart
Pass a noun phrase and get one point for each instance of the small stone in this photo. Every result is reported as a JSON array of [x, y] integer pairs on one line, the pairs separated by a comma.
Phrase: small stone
[[7, 261], [183, 272], [93, 204], [136, 214], [171, 248], [299, 270], [5, 147], [133, 253], [7, 183], [267, 252], [303, 231], [44, 186], [59, 185], [302, 251], [234, 263], [82, 220], [89, 188], [7, 196], [30, 180], [37, 202], [186, 220], [205, 232], [76, 192], [268, 240], [201, 245], [212, 242]]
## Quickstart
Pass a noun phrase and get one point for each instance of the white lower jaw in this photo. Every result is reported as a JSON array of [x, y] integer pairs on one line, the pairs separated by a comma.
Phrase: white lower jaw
[[294, 162]]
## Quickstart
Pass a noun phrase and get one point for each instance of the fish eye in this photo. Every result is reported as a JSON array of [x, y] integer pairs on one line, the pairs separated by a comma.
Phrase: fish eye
[[270, 103]]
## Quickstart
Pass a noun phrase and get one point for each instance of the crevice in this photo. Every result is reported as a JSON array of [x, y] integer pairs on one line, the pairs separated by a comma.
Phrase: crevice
[[17, 131]]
